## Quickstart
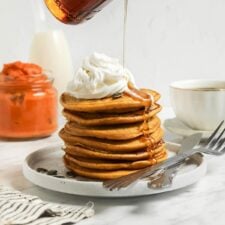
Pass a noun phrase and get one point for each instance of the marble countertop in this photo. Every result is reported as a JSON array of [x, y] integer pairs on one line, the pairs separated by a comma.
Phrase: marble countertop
[[201, 203]]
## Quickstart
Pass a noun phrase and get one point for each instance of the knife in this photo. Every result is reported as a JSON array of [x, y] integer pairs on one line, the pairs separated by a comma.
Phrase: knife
[[191, 141]]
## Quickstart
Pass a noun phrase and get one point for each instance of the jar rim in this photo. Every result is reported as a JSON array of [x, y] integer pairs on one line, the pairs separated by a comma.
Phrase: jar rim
[[30, 82]]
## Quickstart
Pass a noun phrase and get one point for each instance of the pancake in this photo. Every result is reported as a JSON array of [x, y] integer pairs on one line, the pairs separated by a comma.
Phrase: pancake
[[113, 132], [99, 174], [96, 119], [114, 145], [95, 174], [114, 136], [112, 165], [123, 104], [82, 151]]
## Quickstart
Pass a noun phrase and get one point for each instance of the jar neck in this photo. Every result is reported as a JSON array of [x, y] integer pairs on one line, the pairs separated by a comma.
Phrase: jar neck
[[24, 85]]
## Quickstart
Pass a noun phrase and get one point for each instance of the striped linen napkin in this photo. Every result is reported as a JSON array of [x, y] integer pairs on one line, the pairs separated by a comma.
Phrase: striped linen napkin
[[17, 209]]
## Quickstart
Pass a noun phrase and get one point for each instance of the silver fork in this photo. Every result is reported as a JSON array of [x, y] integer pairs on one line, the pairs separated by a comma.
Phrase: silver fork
[[165, 178], [214, 145]]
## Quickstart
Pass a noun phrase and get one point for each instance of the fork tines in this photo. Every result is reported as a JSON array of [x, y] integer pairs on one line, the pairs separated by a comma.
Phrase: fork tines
[[211, 138], [217, 140]]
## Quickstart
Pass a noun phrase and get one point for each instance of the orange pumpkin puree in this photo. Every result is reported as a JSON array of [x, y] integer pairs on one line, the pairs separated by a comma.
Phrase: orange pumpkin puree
[[28, 102]]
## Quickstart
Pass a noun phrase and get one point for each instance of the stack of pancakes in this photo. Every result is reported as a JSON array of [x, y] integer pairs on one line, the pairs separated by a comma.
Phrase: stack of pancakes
[[114, 136]]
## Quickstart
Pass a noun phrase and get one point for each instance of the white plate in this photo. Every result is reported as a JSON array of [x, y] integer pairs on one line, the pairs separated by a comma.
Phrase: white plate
[[176, 126], [51, 158]]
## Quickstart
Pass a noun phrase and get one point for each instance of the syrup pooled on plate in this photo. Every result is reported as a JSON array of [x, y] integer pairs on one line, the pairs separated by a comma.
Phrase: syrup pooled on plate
[[75, 11]]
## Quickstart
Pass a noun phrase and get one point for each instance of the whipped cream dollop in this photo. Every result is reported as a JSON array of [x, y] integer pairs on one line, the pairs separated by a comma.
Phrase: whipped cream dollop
[[99, 76]]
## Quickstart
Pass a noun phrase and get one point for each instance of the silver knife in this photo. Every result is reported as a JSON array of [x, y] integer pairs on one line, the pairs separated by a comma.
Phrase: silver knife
[[191, 141]]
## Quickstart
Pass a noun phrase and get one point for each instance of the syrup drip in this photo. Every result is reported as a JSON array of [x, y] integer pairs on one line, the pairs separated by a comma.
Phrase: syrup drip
[[141, 96], [136, 94], [148, 101]]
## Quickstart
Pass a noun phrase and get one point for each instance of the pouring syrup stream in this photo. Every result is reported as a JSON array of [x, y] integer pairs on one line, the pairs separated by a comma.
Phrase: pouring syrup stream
[[125, 31], [136, 94]]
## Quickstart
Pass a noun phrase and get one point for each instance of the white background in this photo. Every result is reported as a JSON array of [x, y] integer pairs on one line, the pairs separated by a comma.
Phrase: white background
[[167, 39]]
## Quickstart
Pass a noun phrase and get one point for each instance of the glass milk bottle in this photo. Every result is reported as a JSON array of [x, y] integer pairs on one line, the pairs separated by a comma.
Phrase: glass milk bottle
[[50, 50]]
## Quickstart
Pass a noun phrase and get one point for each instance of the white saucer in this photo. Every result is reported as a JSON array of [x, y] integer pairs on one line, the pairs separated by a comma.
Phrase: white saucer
[[175, 126], [51, 159]]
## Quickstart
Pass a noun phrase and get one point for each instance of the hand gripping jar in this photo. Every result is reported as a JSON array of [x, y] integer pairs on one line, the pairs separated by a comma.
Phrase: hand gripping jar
[[28, 102]]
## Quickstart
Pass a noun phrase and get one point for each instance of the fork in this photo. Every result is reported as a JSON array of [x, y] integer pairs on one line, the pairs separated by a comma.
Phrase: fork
[[170, 174], [214, 145], [165, 178]]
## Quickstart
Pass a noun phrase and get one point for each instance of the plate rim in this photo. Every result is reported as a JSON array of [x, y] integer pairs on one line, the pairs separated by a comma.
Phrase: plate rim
[[43, 180]]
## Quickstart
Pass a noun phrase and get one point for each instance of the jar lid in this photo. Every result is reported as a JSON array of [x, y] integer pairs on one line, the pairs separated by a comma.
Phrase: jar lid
[[24, 74]]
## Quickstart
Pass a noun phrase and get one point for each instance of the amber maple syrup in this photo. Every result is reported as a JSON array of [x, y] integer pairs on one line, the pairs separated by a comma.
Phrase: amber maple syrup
[[78, 11], [148, 101], [139, 95], [125, 30], [75, 11]]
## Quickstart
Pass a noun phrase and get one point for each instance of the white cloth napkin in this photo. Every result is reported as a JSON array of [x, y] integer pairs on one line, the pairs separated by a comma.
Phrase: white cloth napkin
[[17, 208]]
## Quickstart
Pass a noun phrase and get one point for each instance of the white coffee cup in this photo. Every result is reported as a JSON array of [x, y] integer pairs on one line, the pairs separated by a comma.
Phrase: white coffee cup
[[200, 104]]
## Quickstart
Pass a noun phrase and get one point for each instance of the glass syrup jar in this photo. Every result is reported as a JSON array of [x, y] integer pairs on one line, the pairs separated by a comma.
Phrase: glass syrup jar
[[75, 11]]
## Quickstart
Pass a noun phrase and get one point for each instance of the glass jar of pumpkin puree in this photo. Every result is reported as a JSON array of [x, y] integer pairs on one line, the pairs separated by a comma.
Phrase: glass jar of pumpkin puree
[[28, 102]]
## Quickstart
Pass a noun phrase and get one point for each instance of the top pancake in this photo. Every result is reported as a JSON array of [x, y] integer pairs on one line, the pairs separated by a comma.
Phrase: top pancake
[[125, 103]]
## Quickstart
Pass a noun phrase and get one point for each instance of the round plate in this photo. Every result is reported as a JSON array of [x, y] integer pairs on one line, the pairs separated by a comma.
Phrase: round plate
[[176, 126], [51, 158]]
